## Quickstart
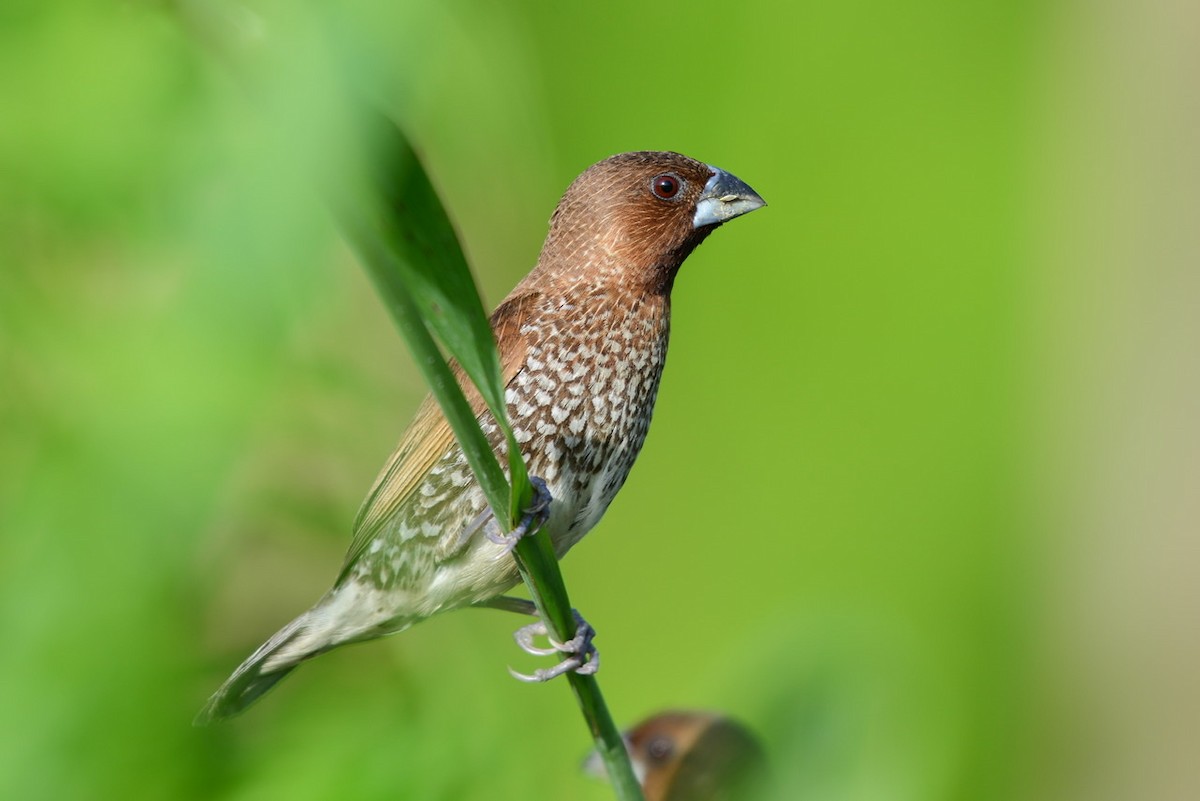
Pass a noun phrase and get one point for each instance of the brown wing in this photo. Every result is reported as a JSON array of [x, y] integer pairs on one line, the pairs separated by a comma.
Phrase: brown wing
[[429, 436]]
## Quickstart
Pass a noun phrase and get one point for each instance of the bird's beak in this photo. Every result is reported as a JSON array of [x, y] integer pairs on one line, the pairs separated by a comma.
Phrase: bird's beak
[[725, 196]]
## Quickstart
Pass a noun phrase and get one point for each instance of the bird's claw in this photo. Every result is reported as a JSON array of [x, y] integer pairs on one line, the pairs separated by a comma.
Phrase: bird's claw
[[582, 656], [534, 518]]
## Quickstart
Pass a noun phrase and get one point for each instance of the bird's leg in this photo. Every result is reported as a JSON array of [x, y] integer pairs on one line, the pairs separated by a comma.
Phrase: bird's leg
[[534, 518], [582, 656]]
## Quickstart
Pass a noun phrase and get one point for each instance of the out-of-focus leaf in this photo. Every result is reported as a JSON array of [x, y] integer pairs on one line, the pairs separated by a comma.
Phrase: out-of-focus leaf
[[391, 213], [396, 222]]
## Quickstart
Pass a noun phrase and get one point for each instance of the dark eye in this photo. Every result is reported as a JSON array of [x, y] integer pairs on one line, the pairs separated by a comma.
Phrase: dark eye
[[660, 748], [665, 186]]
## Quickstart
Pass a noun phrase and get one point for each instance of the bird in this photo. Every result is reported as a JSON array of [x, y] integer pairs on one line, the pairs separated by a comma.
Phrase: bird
[[582, 340], [692, 755]]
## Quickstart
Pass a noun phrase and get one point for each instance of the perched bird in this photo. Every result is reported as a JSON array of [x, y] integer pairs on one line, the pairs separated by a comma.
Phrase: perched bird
[[582, 341], [693, 756]]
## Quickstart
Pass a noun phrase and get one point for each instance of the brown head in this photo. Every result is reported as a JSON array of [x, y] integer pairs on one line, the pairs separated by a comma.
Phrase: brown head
[[693, 756], [635, 217]]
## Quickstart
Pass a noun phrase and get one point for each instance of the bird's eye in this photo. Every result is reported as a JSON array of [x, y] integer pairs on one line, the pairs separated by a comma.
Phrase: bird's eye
[[665, 186], [660, 748]]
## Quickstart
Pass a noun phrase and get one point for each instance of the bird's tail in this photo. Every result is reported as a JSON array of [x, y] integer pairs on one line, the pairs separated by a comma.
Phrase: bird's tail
[[262, 670], [347, 613]]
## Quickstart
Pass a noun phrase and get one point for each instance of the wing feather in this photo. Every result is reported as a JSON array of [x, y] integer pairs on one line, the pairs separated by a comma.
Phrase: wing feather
[[429, 436]]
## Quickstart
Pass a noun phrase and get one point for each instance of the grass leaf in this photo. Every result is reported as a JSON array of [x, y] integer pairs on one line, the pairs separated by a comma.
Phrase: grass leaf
[[398, 226]]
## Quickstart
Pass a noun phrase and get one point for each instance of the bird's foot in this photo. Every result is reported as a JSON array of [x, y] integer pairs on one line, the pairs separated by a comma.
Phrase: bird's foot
[[534, 518], [582, 656]]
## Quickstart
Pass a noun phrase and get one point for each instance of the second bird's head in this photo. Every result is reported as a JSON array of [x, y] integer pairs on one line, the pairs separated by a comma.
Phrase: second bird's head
[[637, 216]]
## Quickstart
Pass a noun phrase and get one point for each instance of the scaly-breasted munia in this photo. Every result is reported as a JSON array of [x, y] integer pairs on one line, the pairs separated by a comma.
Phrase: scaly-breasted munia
[[693, 756], [582, 340]]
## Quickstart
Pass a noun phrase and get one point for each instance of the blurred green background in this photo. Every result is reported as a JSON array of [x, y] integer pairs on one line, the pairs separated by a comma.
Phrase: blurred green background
[[920, 501]]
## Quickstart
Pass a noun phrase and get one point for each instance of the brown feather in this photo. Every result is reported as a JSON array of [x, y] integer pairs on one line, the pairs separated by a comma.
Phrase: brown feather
[[429, 435]]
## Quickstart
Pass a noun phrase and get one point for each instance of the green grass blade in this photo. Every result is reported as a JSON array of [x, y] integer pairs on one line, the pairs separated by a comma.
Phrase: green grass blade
[[400, 229], [366, 240], [407, 243]]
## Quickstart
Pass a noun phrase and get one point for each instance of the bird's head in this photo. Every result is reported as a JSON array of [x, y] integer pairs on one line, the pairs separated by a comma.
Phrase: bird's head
[[635, 217], [686, 755]]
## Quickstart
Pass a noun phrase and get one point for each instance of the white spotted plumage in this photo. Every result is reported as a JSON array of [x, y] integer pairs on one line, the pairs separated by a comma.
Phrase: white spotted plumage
[[581, 437]]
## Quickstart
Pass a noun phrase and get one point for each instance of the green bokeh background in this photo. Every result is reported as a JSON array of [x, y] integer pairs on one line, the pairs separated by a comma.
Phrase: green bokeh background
[[917, 505]]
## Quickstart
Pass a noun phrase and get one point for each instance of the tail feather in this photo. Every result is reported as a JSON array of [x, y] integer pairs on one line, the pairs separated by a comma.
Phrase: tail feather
[[348, 613], [261, 671]]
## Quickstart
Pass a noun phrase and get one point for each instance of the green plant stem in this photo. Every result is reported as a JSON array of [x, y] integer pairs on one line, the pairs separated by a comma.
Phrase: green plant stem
[[389, 212], [539, 569], [413, 282], [534, 554]]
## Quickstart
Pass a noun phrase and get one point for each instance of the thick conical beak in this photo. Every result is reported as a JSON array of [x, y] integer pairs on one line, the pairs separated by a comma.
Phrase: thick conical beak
[[725, 196]]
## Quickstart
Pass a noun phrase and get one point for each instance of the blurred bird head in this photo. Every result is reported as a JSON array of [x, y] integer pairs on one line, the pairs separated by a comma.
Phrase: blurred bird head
[[692, 756]]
